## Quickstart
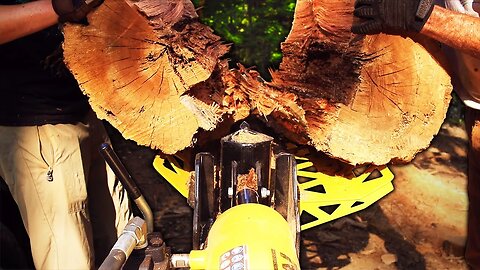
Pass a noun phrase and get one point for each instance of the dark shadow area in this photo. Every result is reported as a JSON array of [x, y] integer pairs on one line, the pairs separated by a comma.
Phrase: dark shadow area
[[329, 242], [447, 152], [15, 252], [327, 246], [408, 258]]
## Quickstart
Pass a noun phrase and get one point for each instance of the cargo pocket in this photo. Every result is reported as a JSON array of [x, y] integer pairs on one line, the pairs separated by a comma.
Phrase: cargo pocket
[[78, 195], [60, 150]]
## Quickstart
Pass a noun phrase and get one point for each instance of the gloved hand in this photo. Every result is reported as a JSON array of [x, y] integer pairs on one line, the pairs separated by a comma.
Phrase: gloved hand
[[391, 16], [74, 10]]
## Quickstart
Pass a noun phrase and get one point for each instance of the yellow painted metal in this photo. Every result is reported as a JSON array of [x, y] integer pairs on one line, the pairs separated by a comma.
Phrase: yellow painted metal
[[178, 177], [248, 236], [323, 198]]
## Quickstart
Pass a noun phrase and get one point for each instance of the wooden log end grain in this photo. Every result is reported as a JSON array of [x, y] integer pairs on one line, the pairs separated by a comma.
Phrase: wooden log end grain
[[136, 59], [365, 99]]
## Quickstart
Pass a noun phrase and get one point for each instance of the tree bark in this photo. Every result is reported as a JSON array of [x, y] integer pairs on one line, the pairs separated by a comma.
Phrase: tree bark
[[154, 72]]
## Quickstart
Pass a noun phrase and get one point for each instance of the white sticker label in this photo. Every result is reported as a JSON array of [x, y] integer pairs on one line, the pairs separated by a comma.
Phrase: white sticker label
[[234, 259]]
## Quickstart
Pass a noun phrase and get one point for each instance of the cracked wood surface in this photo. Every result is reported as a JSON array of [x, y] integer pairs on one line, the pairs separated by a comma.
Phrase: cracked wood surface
[[366, 98], [154, 72], [134, 66]]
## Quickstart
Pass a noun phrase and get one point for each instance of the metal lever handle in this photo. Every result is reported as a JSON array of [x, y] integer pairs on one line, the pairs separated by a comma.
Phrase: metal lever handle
[[127, 181], [120, 171]]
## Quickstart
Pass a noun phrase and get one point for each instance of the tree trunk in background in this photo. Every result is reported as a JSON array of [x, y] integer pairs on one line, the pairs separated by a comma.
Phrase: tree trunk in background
[[156, 75]]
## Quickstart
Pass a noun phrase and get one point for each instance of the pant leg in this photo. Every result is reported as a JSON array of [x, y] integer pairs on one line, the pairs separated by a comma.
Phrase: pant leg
[[472, 253], [53, 208], [108, 201]]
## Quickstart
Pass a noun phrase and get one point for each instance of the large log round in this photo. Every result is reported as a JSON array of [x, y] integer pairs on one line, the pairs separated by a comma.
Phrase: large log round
[[384, 97], [136, 59]]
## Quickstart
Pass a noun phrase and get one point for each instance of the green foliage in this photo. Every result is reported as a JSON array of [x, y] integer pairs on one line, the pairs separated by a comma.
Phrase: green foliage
[[456, 111], [254, 27]]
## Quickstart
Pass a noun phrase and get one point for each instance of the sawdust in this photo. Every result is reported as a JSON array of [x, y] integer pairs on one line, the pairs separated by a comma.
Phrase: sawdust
[[249, 181]]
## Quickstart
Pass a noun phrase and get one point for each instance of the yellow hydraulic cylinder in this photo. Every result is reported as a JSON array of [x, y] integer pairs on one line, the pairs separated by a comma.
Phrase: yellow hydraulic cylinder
[[248, 236]]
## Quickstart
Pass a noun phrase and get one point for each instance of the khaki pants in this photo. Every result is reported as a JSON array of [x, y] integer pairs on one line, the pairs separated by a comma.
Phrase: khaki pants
[[472, 253], [49, 170]]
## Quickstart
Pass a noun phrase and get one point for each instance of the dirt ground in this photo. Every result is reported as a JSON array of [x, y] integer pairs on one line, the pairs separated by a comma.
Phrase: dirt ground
[[420, 225]]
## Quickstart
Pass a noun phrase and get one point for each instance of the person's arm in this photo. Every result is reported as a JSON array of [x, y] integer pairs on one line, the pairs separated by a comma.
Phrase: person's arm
[[20, 20], [454, 29]]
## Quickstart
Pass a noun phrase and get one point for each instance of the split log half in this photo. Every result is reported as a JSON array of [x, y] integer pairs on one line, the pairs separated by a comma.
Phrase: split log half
[[154, 72], [366, 98], [136, 59]]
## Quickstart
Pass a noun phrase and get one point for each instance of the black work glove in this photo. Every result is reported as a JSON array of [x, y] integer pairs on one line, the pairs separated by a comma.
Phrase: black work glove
[[74, 10], [391, 16]]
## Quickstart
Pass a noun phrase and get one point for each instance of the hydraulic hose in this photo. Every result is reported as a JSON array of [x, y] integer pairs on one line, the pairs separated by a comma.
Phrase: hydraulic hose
[[133, 235]]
